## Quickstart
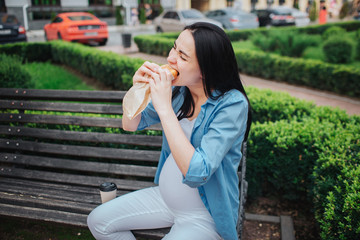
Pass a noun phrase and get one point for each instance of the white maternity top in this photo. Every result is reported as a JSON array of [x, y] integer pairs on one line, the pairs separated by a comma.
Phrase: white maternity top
[[177, 195]]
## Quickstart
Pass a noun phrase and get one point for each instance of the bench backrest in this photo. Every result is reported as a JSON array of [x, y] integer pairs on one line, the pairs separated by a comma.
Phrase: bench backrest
[[74, 138]]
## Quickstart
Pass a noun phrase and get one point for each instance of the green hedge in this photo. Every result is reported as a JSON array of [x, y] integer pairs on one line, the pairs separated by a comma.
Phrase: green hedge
[[12, 74], [40, 52], [312, 73], [313, 29], [305, 153], [109, 68], [336, 185]]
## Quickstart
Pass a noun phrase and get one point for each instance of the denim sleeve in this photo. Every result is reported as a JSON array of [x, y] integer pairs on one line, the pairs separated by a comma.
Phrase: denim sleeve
[[148, 117], [228, 124]]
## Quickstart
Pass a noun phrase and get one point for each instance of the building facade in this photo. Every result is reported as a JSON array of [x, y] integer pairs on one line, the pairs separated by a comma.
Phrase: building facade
[[28, 10]]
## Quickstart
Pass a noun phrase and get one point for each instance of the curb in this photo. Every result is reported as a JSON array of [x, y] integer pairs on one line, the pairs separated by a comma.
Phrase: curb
[[286, 223]]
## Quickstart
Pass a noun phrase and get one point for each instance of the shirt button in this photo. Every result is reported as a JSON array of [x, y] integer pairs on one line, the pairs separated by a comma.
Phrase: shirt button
[[204, 178]]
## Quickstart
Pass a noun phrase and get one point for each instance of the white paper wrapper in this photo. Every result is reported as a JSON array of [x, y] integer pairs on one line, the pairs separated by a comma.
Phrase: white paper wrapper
[[136, 99], [138, 96]]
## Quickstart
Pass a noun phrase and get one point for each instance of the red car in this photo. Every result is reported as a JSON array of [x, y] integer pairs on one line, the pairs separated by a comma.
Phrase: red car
[[77, 27]]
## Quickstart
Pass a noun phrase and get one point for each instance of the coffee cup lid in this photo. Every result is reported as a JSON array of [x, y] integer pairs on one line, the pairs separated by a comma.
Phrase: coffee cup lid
[[108, 187]]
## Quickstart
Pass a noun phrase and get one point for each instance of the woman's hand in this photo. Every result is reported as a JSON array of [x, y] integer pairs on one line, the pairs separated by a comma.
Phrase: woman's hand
[[143, 73], [161, 91]]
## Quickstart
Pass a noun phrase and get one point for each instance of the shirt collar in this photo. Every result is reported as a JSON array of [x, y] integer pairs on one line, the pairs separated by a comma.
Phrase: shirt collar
[[215, 93]]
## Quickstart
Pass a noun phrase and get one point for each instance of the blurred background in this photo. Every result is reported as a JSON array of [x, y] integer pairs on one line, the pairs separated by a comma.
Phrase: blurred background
[[34, 14]]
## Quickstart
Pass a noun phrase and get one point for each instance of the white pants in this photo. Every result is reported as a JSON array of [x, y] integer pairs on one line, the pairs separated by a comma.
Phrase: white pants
[[145, 209]]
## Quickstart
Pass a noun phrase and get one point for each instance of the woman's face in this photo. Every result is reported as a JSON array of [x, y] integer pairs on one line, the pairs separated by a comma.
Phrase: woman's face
[[182, 57]]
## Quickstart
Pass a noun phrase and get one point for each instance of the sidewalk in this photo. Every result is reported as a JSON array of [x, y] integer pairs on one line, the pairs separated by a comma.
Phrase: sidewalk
[[320, 98]]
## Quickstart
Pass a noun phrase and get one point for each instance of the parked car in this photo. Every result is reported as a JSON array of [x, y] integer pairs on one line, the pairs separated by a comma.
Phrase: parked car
[[176, 20], [301, 18], [277, 16], [77, 27], [232, 18], [11, 30]]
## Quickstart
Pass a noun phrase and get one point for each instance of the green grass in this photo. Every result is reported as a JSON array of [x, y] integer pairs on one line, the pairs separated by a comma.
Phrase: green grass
[[49, 76], [14, 228], [248, 45]]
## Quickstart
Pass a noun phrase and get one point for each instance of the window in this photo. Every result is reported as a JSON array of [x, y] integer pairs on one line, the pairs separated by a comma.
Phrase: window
[[80, 18], [100, 2], [45, 2], [169, 15], [57, 20], [192, 14], [10, 19]]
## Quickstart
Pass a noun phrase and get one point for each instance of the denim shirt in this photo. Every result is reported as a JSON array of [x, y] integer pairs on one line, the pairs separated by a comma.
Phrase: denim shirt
[[217, 137]]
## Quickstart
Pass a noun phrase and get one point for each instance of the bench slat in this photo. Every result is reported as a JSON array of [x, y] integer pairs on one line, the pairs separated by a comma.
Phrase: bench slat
[[81, 194], [73, 179], [48, 215], [67, 120], [68, 95], [46, 203], [81, 151], [48, 185], [37, 192], [143, 140], [62, 107], [84, 166], [61, 120]]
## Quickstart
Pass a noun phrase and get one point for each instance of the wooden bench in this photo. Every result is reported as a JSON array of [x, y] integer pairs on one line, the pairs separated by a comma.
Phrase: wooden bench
[[58, 146]]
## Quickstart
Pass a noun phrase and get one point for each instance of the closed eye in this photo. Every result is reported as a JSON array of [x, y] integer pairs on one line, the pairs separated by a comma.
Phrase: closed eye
[[181, 53]]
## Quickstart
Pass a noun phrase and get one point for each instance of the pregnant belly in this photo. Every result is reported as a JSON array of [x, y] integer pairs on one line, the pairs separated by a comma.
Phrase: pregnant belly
[[176, 194]]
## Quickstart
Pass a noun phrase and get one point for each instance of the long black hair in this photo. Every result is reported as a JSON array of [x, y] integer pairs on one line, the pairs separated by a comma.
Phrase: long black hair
[[218, 67]]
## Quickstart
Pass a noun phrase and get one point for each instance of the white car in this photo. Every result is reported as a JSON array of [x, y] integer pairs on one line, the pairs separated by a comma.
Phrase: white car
[[176, 20], [301, 18], [233, 19]]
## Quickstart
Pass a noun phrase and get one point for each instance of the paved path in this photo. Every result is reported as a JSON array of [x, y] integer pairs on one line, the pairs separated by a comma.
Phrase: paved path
[[321, 98]]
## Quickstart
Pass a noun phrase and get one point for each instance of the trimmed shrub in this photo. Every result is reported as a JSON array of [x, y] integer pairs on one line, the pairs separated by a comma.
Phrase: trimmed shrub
[[40, 52], [270, 106], [344, 10], [158, 45], [109, 68], [12, 74], [338, 50], [142, 16], [357, 39], [311, 73], [336, 185], [313, 12], [333, 31], [285, 43]]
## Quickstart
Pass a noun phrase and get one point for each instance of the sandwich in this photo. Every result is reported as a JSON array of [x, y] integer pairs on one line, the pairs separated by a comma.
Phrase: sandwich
[[138, 96]]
